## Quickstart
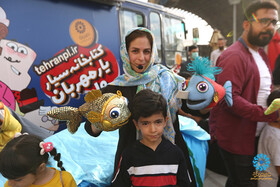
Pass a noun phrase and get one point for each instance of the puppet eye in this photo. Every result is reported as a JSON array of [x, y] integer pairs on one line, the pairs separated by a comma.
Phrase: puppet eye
[[202, 87], [114, 113]]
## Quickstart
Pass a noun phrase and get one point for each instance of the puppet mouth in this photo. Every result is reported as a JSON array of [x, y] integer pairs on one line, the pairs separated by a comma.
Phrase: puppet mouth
[[195, 102]]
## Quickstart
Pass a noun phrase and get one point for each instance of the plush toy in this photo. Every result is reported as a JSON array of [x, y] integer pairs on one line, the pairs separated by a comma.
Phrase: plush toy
[[201, 91], [274, 106], [106, 112]]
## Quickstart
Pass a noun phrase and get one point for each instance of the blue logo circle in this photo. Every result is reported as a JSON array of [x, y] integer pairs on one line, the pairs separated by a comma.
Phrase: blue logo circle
[[261, 162]]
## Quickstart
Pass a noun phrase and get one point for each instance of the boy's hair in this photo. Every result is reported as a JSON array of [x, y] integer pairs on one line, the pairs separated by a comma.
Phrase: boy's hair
[[255, 6], [21, 156], [146, 103], [273, 95]]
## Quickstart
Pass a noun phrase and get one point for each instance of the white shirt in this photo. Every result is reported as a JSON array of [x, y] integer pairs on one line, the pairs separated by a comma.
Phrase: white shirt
[[214, 56], [265, 84]]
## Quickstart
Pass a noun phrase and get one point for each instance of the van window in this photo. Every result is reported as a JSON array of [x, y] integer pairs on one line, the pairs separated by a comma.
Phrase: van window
[[173, 38], [129, 20], [155, 26]]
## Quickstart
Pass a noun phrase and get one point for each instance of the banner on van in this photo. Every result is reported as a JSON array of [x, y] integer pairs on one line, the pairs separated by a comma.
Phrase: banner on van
[[75, 70]]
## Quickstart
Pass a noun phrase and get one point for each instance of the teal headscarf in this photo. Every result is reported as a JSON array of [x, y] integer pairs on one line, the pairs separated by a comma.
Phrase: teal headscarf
[[156, 77]]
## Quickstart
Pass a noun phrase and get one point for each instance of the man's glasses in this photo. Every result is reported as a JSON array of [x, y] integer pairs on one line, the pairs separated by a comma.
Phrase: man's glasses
[[265, 22]]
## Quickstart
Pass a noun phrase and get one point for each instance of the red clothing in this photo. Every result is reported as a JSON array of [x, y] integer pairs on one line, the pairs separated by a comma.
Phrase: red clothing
[[235, 127], [273, 49]]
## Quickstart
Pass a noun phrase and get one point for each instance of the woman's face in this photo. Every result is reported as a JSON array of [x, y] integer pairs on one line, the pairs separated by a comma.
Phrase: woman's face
[[139, 53]]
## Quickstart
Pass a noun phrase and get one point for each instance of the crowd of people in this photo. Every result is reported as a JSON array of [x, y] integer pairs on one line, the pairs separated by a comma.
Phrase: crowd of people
[[151, 150]]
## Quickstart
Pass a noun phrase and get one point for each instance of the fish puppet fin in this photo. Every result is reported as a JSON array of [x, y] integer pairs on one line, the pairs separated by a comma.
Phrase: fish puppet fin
[[69, 114], [74, 124], [274, 106], [92, 95], [228, 95], [93, 117]]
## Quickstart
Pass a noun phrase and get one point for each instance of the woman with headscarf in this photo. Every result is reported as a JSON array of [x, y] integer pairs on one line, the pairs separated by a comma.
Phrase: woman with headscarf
[[139, 54]]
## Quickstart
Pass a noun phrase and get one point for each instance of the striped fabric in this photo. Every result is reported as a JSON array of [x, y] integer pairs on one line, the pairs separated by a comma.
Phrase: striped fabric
[[153, 170], [163, 180], [153, 175]]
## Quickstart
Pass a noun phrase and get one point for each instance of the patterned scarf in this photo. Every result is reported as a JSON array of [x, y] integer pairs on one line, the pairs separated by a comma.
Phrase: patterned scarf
[[157, 78]]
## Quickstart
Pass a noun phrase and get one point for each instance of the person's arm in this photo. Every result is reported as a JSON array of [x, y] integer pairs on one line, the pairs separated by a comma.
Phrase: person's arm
[[234, 64]]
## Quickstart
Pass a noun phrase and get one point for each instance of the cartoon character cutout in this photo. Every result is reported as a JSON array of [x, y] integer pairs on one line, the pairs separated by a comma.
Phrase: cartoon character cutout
[[15, 61]]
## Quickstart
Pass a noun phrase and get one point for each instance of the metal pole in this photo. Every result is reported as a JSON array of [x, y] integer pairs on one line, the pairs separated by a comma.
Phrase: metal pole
[[234, 23], [234, 4]]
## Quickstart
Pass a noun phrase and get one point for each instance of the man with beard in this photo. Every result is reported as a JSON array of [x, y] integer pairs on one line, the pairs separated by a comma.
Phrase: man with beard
[[217, 52], [246, 65]]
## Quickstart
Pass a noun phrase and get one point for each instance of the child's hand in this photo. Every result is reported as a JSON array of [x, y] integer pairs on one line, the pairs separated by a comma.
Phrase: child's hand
[[274, 106]]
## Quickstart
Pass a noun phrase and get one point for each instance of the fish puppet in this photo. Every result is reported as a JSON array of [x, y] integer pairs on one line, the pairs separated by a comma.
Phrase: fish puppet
[[106, 112], [201, 91]]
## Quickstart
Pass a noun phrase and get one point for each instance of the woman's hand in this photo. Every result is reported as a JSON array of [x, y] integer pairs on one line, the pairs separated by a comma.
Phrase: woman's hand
[[95, 131]]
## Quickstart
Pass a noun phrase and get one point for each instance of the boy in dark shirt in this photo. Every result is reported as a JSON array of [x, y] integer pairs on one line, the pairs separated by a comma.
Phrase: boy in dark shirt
[[152, 160]]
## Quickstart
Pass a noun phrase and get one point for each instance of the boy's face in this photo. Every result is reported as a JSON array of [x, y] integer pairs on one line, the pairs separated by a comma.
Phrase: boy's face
[[152, 128]]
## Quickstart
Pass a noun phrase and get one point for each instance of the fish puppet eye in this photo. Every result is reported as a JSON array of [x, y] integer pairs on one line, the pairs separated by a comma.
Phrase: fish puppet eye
[[114, 112], [202, 87]]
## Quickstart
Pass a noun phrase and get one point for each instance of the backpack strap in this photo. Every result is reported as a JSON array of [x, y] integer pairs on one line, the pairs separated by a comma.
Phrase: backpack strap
[[61, 178]]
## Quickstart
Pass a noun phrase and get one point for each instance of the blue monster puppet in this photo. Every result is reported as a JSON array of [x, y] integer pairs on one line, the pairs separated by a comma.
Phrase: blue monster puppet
[[201, 91]]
